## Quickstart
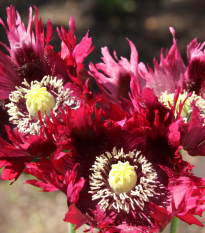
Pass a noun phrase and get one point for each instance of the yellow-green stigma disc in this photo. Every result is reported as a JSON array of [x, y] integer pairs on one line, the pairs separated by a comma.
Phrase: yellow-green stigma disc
[[170, 98], [122, 177], [39, 99]]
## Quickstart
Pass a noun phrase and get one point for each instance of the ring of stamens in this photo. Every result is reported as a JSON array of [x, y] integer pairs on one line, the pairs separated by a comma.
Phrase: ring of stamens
[[17, 107], [126, 201]]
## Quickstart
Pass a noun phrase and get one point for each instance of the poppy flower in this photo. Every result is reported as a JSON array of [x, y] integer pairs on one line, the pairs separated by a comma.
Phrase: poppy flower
[[186, 105], [172, 73], [33, 69], [130, 170], [170, 76]]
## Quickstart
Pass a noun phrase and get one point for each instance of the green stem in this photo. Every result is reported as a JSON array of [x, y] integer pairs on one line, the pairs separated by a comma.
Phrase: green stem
[[71, 226], [174, 225]]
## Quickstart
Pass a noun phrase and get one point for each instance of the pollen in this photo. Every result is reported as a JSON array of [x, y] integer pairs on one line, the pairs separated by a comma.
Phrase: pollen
[[39, 99], [122, 177]]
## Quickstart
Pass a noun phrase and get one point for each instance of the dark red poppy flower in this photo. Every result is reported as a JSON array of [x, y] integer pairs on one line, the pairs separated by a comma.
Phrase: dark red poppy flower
[[26, 60], [32, 67], [24, 149], [30, 59], [168, 77], [187, 114], [130, 170], [171, 73]]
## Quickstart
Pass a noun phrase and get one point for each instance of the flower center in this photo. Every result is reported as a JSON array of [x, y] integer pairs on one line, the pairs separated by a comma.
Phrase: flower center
[[123, 181], [165, 98], [28, 99], [39, 99], [122, 177], [187, 108]]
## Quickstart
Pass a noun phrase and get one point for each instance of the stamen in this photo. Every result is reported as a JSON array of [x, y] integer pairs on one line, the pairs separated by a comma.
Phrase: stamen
[[27, 119], [133, 197]]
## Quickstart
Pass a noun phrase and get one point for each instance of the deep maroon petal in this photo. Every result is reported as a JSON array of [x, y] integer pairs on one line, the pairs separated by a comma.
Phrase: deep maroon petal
[[13, 159], [4, 121], [43, 186], [196, 71], [196, 67], [75, 216]]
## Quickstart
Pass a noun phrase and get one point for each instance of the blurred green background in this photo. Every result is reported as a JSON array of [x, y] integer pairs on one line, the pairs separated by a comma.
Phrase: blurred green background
[[146, 23]]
